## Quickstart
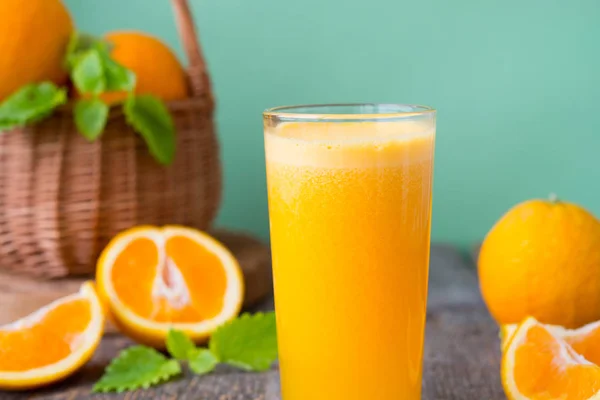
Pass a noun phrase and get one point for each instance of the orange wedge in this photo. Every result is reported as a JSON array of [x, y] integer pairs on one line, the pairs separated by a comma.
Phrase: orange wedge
[[507, 332], [584, 340], [51, 343], [154, 279], [539, 364]]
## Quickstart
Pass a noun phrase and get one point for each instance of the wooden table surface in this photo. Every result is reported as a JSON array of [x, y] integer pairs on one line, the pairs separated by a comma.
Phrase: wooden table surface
[[462, 355]]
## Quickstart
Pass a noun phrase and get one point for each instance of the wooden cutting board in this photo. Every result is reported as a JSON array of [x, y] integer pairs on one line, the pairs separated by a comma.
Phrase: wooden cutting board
[[21, 295]]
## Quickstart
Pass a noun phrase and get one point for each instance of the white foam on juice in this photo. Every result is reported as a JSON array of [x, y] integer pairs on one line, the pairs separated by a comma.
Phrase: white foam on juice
[[350, 144]]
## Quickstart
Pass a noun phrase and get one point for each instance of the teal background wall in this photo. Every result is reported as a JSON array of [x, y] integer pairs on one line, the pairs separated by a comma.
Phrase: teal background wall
[[516, 83]]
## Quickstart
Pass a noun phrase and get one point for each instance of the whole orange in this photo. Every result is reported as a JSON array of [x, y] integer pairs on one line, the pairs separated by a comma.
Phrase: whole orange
[[34, 36], [157, 69], [542, 259]]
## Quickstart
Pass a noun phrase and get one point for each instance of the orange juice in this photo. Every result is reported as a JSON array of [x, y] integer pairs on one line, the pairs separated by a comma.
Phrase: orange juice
[[350, 206]]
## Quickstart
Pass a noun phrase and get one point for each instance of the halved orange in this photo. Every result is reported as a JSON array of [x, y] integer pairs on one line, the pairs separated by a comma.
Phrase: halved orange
[[155, 279], [539, 364], [51, 343]]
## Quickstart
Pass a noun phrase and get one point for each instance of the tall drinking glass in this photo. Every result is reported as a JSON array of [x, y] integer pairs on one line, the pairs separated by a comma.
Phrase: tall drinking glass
[[350, 209]]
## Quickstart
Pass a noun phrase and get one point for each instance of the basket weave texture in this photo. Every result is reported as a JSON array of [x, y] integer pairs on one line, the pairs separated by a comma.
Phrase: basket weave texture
[[62, 198]]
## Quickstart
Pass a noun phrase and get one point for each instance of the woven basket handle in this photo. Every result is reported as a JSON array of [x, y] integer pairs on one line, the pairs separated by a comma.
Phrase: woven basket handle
[[200, 82]]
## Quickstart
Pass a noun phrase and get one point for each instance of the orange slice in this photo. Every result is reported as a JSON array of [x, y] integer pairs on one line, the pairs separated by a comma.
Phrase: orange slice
[[538, 364], [584, 340], [51, 343], [154, 279]]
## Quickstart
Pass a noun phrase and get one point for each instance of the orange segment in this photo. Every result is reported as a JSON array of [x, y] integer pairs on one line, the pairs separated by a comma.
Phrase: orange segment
[[131, 277], [155, 279], [584, 340], [202, 270], [539, 365], [51, 343], [507, 332]]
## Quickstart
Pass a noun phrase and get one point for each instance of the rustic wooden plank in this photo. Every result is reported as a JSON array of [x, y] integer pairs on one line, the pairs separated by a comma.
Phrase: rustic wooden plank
[[462, 356], [452, 282], [461, 360]]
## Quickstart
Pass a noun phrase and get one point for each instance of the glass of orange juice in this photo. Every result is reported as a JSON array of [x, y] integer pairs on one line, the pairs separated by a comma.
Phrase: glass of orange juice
[[350, 212]]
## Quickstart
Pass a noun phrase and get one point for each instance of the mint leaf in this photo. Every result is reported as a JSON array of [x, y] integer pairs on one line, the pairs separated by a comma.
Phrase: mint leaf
[[30, 104], [179, 345], [79, 44], [202, 361], [118, 78], [137, 367], [248, 342], [90, 117], [88, 73], [151, 119], [92, 68], [31, 101]]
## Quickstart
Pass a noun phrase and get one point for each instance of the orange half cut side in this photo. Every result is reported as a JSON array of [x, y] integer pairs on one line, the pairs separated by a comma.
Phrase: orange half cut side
[[155, 279]]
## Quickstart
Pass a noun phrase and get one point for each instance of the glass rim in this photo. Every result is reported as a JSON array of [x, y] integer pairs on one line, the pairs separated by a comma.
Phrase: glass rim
[[292, 113]]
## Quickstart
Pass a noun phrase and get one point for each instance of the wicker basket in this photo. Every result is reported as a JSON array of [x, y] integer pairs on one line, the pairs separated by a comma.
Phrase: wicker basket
[[62, 198]]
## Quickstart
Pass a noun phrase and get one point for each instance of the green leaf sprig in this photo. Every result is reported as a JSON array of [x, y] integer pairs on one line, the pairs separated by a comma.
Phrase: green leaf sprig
[[150, 118], [93, 73], [248, 342], [30, 104], [137, 367]]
